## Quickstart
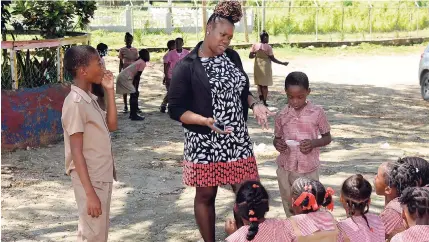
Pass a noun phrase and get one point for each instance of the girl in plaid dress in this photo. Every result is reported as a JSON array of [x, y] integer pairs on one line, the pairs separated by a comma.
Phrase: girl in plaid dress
[[252, 204], [391, 180], [415, 203], [310, 223], [360, 226]]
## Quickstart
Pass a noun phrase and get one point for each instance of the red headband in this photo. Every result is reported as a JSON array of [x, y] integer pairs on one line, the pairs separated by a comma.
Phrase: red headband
[[330, 192]]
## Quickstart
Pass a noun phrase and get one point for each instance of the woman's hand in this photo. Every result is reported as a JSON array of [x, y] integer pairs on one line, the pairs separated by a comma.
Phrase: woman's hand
[[209, 122], [261, 113]]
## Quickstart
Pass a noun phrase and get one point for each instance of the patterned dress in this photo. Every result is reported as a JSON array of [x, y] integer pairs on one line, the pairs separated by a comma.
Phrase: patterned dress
[[217, 159]]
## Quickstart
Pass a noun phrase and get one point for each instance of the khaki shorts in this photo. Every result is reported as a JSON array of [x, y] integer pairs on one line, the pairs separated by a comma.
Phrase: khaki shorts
[[89, 228], [286, 179]]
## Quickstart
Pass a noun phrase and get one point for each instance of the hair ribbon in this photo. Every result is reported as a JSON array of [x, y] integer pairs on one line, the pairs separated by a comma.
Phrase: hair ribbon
[[311, 201], [330, 192]]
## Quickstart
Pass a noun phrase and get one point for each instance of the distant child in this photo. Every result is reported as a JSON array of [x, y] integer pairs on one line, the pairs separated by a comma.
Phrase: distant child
[[88, 148], [390, 181], [172, 58], [171, 45], [126, 80], [415, 204], [360, 226], [127, 56], [263, 74], [251, 203], [309, 223], [297, 130], [97, 89], [422, 168]]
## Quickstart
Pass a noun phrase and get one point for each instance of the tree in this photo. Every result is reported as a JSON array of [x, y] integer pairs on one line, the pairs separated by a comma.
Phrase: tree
[[54, 18]]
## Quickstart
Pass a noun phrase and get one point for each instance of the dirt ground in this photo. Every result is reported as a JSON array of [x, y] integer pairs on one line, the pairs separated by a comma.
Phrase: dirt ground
[[373, 104]]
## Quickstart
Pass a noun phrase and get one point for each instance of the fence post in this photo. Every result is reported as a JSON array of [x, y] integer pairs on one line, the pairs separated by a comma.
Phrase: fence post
[[263, 16], [370, 19], [246, 33], [418, 17], [196, 21], [342, 23], [317, 20], [59, 79], [13, 69], [129, 19]]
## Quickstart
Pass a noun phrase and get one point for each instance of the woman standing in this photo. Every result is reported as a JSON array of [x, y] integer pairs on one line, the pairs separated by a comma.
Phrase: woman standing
[[263, 74], [210, 85]]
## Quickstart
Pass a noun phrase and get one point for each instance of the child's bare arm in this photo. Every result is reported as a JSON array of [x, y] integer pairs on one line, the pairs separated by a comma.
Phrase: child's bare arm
[[112, 116], [93, 202], [324, 141]]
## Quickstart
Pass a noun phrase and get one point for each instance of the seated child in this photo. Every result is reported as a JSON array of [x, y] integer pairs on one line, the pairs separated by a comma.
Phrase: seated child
[[252, 204], [390, 181], [360, 226], [309, 223], [422, 168], [415, 204]]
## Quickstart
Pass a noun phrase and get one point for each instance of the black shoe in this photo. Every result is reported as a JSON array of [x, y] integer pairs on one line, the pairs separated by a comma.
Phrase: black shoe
[[137, 118], [265, 103], [125, 109], [162, 109]]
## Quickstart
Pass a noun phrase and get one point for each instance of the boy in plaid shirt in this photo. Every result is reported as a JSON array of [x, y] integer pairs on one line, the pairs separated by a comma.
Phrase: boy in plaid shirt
[[298, 128]]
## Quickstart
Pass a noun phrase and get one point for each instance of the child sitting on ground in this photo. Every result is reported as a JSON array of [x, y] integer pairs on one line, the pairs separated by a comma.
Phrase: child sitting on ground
[[415, 204], [126, 80], [252, 204], [310, 224], [297, 130], [390, 181], [422, 168], [360, 226]]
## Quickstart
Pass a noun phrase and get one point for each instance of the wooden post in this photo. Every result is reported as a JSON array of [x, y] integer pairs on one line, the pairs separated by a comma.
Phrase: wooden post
[[246, 32], [13, 69], [204, 9], [59, 63]]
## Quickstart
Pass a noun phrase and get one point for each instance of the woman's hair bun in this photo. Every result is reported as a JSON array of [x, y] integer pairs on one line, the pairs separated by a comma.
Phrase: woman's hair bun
[[229, 9]]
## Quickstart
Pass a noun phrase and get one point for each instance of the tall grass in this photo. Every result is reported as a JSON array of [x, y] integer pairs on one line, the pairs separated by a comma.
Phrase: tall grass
[[299, 17]]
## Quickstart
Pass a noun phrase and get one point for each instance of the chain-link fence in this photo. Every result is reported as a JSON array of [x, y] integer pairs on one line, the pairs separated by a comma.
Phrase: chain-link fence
[[285, 21]]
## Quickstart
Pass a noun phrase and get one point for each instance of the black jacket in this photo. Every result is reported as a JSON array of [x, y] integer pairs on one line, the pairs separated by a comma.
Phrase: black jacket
[[190, 89]]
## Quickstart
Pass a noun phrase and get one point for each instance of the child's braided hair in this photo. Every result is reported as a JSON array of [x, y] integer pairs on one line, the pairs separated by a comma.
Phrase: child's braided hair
[[403, 175], [417, 201], [357, 191], [422, 168], [252, 202], [229, 10], [323, 198]]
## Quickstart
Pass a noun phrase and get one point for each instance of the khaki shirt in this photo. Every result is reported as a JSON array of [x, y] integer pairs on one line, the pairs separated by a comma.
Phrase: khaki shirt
[[82, 114]]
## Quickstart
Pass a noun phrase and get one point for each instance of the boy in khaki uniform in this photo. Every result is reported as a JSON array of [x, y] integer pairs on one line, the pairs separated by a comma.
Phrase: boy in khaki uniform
[[88, 150]]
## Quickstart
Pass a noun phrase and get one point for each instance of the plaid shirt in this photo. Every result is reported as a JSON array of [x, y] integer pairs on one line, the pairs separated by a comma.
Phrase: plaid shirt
[[272, 230], [311, 223], [356, 229], [309, 123], [417, 233], [392, 217]]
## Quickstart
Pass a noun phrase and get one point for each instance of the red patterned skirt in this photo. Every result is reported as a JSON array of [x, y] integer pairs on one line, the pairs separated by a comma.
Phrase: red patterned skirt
[[219, 173]]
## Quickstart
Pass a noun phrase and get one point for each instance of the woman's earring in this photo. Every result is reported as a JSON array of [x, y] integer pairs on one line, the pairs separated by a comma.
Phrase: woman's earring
[[208, 32]]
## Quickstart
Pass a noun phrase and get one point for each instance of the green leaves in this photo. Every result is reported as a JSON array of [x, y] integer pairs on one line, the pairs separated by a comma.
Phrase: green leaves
[[54, 18]]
